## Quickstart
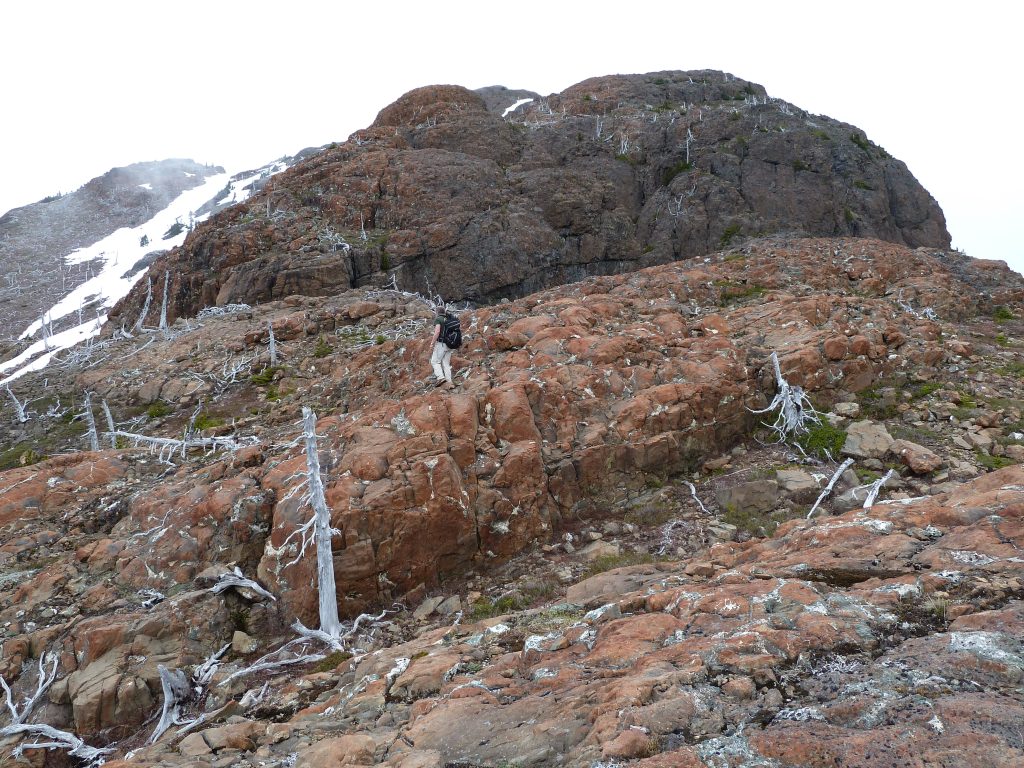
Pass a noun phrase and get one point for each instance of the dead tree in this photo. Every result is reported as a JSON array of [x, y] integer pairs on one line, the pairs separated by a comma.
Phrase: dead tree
[[795, 410], [272, 344], [145, 305], [19, 407], [44, 681], [57, 739], [163, 304], [110, 425], [93, 435], [831, 484]]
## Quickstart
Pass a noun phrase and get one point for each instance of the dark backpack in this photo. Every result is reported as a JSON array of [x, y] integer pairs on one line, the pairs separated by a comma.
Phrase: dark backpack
[[451, 332]]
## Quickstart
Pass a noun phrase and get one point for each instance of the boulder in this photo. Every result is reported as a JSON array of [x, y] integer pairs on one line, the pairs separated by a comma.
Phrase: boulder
[[917, 458], [753, 496], [867, 440]]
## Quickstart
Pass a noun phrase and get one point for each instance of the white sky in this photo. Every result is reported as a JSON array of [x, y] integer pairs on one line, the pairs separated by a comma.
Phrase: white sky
[[92, 85]]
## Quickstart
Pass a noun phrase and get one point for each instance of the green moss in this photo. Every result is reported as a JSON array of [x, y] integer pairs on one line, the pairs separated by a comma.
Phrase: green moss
[[610, 562], [385, 262], [20, 456], [821, 134], [331, 661], [1002, 340], [849, 216], [1002, 313], [861, 184], [800, 165], [924, 390], [758, 524], [861, 141], [208, 421], [380, 338], [728, 234], [322, 348], [822, 440], [264, 377], [670, 173], [731, 293], [990, 462], [158, 410]]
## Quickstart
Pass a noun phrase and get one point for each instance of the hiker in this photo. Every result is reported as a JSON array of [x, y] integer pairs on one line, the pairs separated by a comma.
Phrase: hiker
[[447, 336]]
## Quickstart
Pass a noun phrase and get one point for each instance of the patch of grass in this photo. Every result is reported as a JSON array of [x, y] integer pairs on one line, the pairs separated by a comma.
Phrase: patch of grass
[[208, 421], [649, 515], [861, 141], [728, 234], [990, 462], [610, 562], [822, 440], [627, 158], [861, 184], [759, 524], [331, 661], [1001, 340], [264, 377], [1002, 313], [20, 456], [158, 410], [322, 348], [925, 389], [1013, 368], [670, 173], [731, 293], [849, 216], [385, 262], [821, 134], [800, 165]]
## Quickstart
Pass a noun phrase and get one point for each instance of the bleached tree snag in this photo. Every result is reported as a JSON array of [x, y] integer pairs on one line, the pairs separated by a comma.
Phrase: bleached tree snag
[[239, 581], [167, 447], [831, 484], [45, 680], [795, 410], [328, 593], [145, 305], [176, 689], [163, 303], [110, 425], [19, 407], [874, 489], [93, 435], [272, 343], [94, 756]]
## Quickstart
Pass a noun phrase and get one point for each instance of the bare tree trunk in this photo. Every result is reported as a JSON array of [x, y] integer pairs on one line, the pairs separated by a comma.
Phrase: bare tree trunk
[[110, 425], [329, 621], [145, 305], [163, 303], [273, 344], [94, 438]]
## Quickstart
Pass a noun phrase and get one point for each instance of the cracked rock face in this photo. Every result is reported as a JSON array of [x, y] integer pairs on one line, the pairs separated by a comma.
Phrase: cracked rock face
[[614, 174], [593, 558]]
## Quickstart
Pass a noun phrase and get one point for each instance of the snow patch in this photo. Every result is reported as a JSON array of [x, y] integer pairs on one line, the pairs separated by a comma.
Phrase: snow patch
[[147, 185], [514, 107]]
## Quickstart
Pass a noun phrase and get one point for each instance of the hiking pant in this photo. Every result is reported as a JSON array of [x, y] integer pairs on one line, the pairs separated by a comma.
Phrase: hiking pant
[[441, 360]]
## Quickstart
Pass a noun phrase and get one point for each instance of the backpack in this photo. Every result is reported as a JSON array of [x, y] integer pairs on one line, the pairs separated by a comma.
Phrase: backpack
[[451, 332]]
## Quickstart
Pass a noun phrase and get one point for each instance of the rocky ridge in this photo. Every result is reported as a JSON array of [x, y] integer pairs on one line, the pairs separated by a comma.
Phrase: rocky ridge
[[444, 194], [610, 611]]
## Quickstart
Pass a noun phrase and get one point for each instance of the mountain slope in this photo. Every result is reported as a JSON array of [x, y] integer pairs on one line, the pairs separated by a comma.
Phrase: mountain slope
[[637, 577], [613, 174], [36, 239]]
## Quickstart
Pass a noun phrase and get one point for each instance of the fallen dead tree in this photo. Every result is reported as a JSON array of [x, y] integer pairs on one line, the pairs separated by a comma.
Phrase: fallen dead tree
[[166, 447], [46, 736]]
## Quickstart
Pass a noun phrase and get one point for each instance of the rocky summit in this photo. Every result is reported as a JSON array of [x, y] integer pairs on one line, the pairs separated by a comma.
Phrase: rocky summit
[[445, 194], [262, 537]]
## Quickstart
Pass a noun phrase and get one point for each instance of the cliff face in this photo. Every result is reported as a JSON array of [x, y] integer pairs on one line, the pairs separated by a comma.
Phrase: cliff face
[[614, 174], [35, 239]]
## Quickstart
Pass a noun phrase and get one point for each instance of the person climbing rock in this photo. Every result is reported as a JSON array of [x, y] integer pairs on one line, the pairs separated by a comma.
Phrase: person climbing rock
[[447, 336]]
